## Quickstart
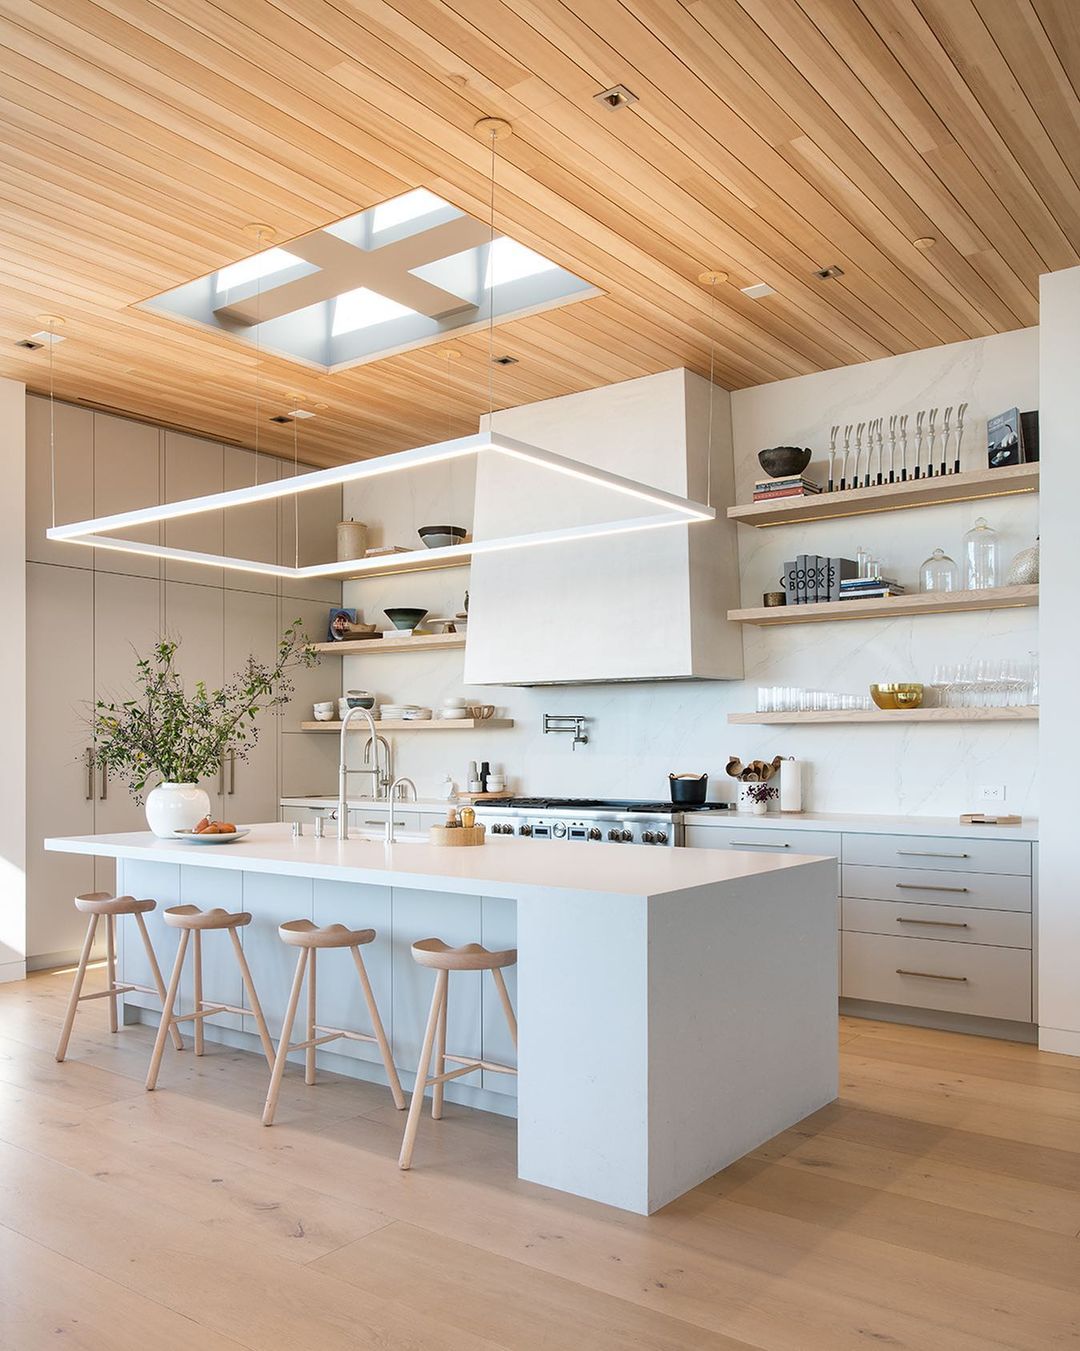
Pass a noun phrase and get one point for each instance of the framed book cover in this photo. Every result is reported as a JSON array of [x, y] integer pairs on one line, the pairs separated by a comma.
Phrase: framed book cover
[[1004, 439]]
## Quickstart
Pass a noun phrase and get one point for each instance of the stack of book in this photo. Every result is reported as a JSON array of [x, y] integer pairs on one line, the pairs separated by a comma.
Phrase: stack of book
[[792, 486], [811, 578], [865, 588]]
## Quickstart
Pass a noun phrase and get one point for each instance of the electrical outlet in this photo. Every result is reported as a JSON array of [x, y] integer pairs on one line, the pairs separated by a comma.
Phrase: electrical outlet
[[992, 792]]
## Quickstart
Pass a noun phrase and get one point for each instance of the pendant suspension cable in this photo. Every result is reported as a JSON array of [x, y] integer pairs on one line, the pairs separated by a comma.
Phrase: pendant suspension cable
[[258, 358], [712, 280], [491, 286], [296, 496], [52, 429]]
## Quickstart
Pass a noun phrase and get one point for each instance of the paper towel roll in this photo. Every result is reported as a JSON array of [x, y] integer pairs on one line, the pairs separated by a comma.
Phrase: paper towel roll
[[791, 785]]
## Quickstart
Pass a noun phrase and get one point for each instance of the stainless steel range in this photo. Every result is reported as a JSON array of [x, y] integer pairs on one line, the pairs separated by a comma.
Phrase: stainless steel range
[[590, 820]]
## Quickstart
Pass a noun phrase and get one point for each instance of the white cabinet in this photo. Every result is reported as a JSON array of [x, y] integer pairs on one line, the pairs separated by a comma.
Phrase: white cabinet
[[193, 467], [498, 918], [251, 531], [341, 1000], [764, 839], [74, 453], [61, 786], [127, 475]]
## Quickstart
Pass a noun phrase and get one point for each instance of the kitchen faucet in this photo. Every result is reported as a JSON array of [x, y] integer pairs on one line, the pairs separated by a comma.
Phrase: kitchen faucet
[[383, 780], [402, 780], [344, 771]]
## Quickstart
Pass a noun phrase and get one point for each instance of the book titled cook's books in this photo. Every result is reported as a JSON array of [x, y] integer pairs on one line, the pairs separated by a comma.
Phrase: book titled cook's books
[[788, 580], [841, 570], [801, 561]]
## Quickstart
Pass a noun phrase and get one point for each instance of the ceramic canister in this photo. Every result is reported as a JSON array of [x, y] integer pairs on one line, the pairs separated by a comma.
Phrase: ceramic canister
[[351, 539]]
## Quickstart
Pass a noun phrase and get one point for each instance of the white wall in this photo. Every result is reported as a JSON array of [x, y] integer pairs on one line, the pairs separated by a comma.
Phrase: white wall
[[13, 681], [1059, 897], [639, 732]]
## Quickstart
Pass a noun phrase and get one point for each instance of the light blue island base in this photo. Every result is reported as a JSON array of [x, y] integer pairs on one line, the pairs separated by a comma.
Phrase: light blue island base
[[676, 1008]]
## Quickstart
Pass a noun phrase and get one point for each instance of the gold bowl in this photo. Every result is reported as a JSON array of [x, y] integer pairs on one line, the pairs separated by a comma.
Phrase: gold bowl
[[897, 696]]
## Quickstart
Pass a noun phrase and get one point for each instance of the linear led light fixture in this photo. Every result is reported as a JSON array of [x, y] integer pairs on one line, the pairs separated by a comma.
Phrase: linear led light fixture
[[674, 510]]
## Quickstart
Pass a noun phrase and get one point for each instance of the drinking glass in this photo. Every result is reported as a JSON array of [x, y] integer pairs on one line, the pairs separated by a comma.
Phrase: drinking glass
[[940, 683]]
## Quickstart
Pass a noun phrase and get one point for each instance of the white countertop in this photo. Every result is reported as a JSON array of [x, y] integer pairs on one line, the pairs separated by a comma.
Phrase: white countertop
[[500, 867], [424, 804], [851, 824]]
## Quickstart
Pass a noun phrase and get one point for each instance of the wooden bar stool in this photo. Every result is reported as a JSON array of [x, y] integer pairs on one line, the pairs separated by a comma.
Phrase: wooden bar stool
[[435, 953], [98, 904], [189, 919], [309, 938]]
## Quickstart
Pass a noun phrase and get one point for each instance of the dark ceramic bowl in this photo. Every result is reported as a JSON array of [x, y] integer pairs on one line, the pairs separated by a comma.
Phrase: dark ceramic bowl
[[442, 536], [784, 460], [405, 619]]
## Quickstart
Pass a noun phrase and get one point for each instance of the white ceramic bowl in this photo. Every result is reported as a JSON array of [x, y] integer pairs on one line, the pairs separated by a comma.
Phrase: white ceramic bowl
[[452, 713]]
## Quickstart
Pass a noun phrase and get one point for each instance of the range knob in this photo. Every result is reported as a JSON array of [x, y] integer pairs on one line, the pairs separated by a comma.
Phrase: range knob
[[497, 829], [594, 832], [523, 830], [614, 835], [661, 837], [647, 837], [626, 835]]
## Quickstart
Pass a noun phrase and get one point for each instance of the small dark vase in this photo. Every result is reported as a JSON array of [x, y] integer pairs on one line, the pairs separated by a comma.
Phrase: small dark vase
[[784, 460]]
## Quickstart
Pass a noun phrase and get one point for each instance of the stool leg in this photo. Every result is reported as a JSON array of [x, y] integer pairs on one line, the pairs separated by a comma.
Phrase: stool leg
[[196, 959], [440, 1054], [283, 1045], [416, 1106], [253, 999], [76, 989], [155, 971], [167, 1012], [508, 1008], [379, 1031], [110, 968], [309, 1054]]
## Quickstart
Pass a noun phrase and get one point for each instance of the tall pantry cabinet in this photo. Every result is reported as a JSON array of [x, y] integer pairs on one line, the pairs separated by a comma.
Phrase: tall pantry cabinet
[[89, 611]]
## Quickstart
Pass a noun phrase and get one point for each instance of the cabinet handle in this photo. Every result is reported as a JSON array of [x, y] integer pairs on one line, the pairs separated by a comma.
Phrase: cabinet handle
[[927, 853], [89, 758], [232, 773], [937, 923], [382, 823], [914, 886], [104, 783], [929, 975], [758, 844], [221, 775]]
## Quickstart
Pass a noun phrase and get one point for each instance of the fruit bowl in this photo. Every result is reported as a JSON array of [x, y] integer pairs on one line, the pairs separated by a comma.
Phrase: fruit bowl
[[441, 536], [403, 618]]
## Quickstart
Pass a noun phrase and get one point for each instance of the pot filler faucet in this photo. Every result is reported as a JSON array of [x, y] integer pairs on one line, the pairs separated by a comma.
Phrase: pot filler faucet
[[344, 771]]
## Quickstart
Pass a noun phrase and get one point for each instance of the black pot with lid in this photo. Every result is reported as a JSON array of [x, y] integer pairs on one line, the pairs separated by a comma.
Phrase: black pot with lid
[[688, 788]]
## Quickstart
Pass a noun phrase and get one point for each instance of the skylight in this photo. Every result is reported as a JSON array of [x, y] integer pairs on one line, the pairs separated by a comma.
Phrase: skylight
[[510, 261], [362, 308], [409, 206], [251, 269]]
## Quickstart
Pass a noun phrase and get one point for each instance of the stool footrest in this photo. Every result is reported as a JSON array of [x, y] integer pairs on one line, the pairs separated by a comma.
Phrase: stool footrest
[[345, 1032], [112, 990], [210, 1011], [481, 1064]]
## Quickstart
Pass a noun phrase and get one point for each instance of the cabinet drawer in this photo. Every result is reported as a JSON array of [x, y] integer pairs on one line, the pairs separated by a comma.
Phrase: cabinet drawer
[[987, 891], [970, 978], [946, 854], [764, 840], [944, 923]]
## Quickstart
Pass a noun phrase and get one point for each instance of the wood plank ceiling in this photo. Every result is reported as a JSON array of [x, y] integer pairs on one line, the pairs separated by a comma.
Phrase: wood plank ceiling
[[770, 139]]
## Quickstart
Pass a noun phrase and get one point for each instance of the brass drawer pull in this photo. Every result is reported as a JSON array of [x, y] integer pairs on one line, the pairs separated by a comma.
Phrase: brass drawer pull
[[758, 844], [937, 923], [927, 853], [928, 975], [914, 886]]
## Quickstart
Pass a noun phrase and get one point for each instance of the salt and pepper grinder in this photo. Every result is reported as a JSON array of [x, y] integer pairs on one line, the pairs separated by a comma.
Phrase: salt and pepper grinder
[[485, 772]]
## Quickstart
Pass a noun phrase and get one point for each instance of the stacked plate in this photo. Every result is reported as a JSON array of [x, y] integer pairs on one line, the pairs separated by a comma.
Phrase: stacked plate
[[405, 713]]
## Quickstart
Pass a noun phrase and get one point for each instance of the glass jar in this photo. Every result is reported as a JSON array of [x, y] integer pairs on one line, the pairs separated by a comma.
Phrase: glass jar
[[939, 573], [981, 551]]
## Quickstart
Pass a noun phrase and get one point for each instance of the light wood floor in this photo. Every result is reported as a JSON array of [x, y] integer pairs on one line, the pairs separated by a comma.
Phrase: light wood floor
[[935, 1206]]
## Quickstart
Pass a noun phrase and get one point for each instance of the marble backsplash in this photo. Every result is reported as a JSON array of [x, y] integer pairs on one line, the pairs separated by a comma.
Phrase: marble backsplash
[[638, 733]]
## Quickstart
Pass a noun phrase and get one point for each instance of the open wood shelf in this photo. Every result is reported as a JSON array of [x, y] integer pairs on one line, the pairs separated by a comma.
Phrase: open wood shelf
[[1021, 713], [413, 725], [411, 563], [422, 642], [927, 492], [891, 607]]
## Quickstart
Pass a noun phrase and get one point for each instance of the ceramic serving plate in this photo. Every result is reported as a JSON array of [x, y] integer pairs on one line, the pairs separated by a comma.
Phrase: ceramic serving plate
[[189, 836]]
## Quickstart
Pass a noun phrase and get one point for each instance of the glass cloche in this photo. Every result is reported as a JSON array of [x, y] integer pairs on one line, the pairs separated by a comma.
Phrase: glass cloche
[[939, 573], [981, 554]]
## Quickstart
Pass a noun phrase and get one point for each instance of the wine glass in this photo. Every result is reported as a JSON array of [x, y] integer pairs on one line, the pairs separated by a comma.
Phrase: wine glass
[[940, 683]]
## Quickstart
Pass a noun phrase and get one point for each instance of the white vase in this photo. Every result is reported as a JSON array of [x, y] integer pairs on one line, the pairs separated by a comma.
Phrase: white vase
[[176, 806]]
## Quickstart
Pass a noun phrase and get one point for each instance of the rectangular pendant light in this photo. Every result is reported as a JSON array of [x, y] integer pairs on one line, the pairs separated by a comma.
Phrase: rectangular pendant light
[[674, 510]]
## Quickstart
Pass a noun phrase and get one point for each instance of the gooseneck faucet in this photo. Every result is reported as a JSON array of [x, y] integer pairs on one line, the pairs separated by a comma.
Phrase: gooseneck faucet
[[400, 780], [344, 771]]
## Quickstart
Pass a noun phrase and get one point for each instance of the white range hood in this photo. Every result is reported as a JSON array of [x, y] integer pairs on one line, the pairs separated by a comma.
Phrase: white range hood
[[647, 606]]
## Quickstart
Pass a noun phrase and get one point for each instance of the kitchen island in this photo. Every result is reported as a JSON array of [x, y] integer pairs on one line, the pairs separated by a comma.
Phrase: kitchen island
[[676, 1008]]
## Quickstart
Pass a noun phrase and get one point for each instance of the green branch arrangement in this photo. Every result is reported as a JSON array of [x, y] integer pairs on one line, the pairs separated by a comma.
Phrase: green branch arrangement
[[165, 732]]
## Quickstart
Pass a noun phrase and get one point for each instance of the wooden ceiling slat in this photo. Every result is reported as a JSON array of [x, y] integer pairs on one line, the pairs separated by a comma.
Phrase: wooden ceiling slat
[[142, 135]]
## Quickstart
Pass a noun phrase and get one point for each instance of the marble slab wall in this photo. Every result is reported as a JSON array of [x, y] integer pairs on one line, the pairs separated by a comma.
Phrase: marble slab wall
[[640, 732]]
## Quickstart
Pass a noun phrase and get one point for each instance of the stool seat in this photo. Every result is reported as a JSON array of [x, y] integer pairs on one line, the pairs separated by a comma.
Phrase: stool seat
[[302, 933], [469, 957], [191, 917], [105, 903]]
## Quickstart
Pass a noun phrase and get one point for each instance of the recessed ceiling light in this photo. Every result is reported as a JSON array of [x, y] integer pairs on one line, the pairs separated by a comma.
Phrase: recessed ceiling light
[[46, 337], [282, 419], [30, 344], [618, 96], [505, 361], [828, 273], [300, 413], [758, 291], [925, 242]]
